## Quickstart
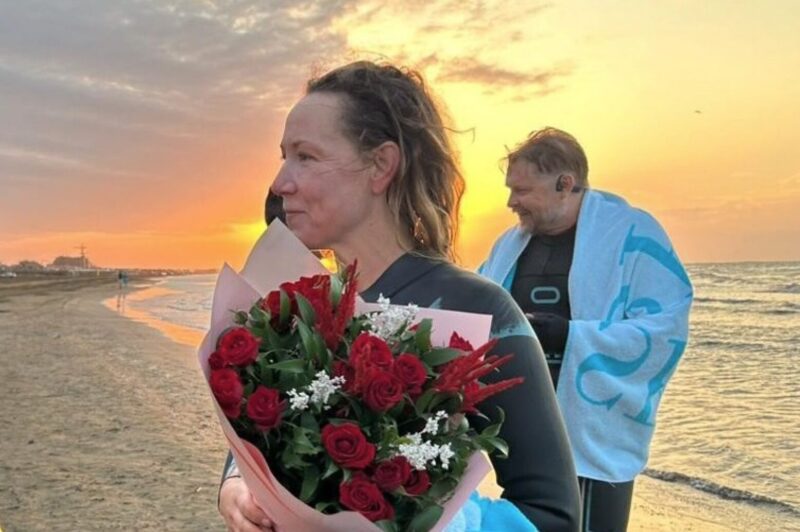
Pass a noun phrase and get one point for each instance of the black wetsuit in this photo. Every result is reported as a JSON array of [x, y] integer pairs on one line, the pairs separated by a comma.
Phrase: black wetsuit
[[539, 475], [541, 286]]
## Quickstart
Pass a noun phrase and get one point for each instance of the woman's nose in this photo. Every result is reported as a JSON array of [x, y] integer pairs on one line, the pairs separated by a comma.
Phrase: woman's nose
[[284, 182]]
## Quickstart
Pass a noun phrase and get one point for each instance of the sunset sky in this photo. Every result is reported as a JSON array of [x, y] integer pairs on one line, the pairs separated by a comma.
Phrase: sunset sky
[[149, 130]]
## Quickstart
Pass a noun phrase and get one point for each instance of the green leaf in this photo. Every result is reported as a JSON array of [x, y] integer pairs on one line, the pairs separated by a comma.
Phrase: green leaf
[[425, 520], [331, 469], [437, 357], [302, 444], [424, 400], [305, 310], [320, 350], [422, 336], [259, 315], [497, 443], [307, 338], [388, 526], [309, 422], [286, 307], [294, 365], [310, 483], [336, 289], [324, 506], [290, 459], [271, 338], [493, 430]]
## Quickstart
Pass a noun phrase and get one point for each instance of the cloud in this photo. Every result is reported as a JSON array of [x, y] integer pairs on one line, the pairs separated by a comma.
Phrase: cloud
[[473, 71], [143, 93]]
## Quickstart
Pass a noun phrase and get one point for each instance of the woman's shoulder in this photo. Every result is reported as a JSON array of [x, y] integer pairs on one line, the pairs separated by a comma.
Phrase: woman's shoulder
[[468, 291]]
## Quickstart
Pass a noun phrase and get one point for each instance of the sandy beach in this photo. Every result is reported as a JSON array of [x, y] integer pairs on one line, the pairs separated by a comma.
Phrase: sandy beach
[[106, 425]]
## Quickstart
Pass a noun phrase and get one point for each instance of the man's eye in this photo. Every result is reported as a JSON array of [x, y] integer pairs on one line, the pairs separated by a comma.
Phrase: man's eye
[[303, 156]]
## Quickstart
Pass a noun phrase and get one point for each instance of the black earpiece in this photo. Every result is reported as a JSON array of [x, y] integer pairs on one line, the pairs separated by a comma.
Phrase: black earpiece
[[559, 184]]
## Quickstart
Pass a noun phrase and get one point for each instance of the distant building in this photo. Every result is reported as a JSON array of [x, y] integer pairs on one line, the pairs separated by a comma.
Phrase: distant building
[[28, 266], [69, 263]]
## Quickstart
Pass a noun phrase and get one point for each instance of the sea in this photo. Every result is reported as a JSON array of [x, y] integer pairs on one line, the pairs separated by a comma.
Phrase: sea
[[729, 422]]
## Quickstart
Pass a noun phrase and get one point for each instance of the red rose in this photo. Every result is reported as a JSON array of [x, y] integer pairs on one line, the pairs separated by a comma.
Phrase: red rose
[[347, 445], [238, 347], [418, 482], [370, 351], [410, 370], [265, 408], [383, 391], [368, 355], [228, 389], [391, 474], [364, 497], [215, 361], [457, 342]]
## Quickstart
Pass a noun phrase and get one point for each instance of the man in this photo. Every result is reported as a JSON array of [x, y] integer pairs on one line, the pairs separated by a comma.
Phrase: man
[[609, 301]]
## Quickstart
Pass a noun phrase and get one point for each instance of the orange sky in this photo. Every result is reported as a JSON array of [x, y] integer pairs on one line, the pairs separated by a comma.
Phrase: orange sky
[[150, 132]]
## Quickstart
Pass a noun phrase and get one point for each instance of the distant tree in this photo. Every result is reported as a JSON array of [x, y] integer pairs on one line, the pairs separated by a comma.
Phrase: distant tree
[[28, 266]]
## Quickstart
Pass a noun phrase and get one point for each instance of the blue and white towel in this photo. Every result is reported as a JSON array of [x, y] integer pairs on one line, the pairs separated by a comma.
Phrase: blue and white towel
[[630, 298], [481, 514]]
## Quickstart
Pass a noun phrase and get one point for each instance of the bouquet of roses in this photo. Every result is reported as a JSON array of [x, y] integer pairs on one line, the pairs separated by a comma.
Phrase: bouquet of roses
[[348, 407]]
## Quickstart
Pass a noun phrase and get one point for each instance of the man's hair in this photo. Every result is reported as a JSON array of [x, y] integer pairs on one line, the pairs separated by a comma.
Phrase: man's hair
[[385, 103], [553, 151]]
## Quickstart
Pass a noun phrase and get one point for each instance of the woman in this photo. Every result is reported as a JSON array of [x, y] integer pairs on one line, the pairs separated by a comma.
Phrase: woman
[[369, 172]]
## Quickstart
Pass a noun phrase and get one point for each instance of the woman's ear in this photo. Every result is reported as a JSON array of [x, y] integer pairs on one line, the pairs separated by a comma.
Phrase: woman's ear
[[386, 161]]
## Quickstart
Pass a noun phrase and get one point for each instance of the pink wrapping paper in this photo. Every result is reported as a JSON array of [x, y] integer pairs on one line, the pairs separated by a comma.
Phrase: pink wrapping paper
[[277, 257]]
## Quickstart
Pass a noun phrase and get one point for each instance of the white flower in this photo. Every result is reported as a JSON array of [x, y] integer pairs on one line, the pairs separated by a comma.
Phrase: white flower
[[432, 425], [323, 387], [298, 400], [445, 454], [418, 455], [390, 319]]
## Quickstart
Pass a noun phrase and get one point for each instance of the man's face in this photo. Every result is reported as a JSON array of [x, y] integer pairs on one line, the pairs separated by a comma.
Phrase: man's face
[[533, 197]]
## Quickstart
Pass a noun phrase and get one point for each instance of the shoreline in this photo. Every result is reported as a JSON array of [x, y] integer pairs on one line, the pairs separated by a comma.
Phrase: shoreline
[[118, 422]]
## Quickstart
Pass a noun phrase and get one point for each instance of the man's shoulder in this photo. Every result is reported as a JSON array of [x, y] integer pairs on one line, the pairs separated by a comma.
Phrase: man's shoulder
[[615, 203]]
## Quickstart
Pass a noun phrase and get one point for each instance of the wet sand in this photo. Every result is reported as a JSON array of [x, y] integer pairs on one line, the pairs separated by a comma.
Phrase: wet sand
[[106, 424]]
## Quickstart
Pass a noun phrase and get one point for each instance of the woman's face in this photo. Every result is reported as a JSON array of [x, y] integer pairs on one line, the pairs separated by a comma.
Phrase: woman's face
[[324, 180]]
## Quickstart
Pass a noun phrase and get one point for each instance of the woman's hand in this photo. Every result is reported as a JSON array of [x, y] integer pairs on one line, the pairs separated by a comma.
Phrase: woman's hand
[[239, 509]]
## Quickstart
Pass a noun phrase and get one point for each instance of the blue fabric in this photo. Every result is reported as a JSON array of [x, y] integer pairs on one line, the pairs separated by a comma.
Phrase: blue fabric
[[630, 298], [480, 514]]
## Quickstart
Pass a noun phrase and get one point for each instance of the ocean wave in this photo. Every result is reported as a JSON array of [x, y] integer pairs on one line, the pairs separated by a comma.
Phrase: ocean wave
[[782, 311], [723, 492], [726, 301], [789, 288], [732, 345]]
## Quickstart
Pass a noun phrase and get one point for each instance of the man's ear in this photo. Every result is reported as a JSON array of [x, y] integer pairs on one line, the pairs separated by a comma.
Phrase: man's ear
[[386, 161], [565, 183]]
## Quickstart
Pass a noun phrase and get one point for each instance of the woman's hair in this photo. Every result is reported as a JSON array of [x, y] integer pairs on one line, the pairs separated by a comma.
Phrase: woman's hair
[[385, 103]]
